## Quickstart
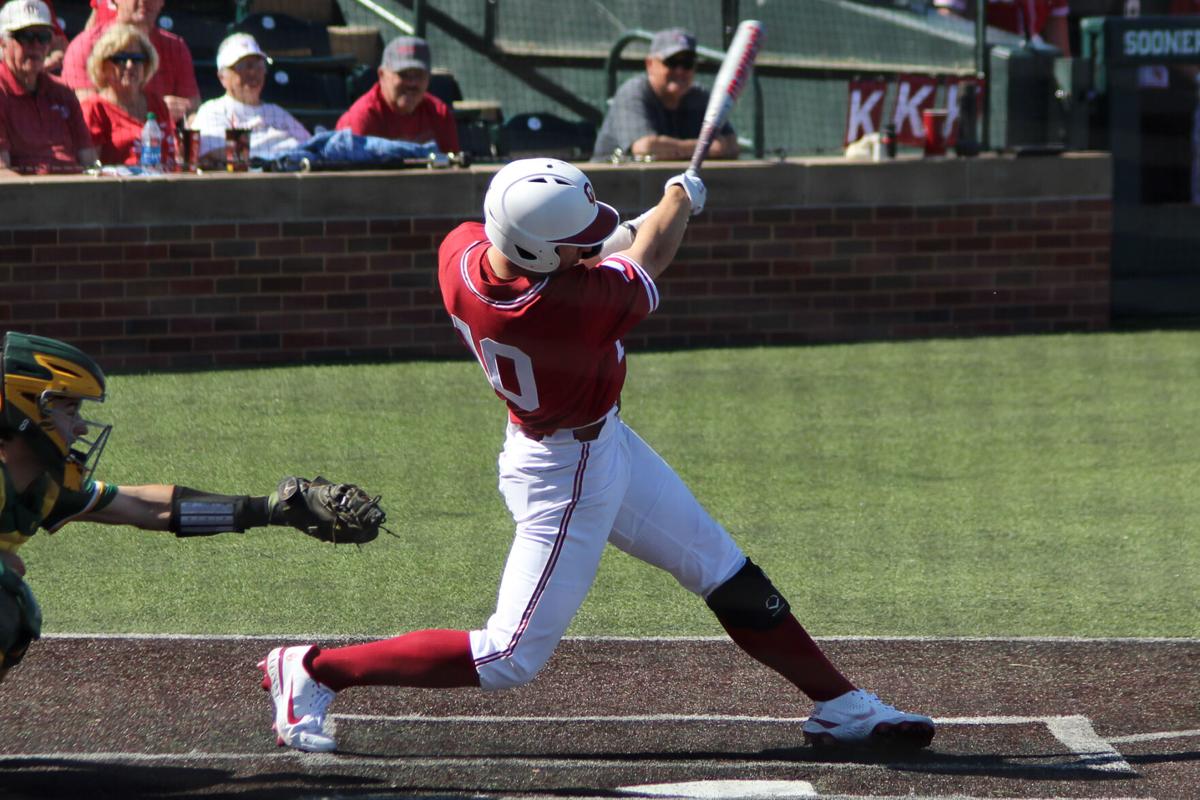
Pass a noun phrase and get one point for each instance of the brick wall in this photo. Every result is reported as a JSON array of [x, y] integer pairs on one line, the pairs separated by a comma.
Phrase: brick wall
[[203, 270], [180, 295]]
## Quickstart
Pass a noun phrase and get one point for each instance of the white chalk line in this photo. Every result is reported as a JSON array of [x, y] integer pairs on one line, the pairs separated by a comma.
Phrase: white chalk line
[[1154, 737], [351, 761], [341, 637]]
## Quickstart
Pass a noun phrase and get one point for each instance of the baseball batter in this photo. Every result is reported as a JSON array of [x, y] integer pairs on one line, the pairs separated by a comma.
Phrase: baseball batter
[[542, 293], [48, 451]]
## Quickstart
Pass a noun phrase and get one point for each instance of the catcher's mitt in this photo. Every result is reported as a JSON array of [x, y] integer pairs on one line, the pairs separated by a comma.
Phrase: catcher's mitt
[[331, 512]]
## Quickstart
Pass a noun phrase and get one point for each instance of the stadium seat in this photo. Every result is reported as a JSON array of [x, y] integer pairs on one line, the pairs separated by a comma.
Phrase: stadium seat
[[292, 86], [203, 34], [546, 134], [322, 11], [284, 35], [206, 79], [73, 14], [444, 86]]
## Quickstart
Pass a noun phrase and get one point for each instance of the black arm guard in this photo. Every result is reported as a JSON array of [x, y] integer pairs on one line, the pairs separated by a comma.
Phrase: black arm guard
[[195, 513]]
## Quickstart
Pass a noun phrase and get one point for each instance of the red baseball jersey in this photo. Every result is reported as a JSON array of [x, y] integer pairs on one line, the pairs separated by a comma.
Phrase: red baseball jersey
[[549, 344], [432, 120]]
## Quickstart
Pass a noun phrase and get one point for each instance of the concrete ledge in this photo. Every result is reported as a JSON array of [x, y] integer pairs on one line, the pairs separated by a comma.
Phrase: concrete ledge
[[81, 201]]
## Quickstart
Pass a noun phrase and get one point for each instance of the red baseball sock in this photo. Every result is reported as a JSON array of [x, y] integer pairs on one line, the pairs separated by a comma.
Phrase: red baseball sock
[[789, 650], [434, 659]]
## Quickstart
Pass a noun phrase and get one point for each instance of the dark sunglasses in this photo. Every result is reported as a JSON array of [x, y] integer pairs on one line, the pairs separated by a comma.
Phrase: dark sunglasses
[[29, 37], [122, 58], [681, 62]]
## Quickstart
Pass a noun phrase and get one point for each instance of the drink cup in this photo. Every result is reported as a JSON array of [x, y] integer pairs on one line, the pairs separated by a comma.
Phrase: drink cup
[[934, 120], [237, 149], [189, 149]]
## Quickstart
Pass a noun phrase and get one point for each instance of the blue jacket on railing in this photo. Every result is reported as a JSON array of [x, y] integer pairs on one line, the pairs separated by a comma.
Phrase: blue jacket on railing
[[343, 148]]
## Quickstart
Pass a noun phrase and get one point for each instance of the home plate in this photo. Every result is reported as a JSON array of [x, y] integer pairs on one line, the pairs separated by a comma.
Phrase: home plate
[[725, 790]]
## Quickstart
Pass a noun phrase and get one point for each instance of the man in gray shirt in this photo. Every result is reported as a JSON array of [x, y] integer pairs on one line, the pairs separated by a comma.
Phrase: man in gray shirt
[[659, 114]]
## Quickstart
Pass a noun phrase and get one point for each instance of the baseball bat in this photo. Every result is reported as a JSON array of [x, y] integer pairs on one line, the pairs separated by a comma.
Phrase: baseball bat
[[731, 79]]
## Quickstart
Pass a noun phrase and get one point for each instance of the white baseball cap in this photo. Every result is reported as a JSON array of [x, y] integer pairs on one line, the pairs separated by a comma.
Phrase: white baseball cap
[[20, 14], [237, 47]]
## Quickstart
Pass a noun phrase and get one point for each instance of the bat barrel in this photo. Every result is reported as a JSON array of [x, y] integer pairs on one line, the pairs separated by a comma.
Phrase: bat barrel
[[731, 79]]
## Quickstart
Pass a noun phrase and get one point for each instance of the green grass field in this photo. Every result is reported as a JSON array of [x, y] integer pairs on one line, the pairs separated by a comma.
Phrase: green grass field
[[1009, 486]]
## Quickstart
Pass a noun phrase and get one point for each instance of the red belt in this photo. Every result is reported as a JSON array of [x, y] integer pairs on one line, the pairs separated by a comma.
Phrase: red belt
[[588, 433]]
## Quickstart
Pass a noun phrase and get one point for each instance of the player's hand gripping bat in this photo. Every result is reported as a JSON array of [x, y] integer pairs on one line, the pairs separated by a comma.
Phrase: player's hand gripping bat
[[731, 79]]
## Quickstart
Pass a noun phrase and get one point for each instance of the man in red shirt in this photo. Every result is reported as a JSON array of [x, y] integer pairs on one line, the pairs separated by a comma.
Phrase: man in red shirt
[[542, 293], [175, 80], [42, 128], [399, 105]]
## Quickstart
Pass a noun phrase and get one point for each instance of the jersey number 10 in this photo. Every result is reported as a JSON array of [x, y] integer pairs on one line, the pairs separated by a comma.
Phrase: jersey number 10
[[490, 353]]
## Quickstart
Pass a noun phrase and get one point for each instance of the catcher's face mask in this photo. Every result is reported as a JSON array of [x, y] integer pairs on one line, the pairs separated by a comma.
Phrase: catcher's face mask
[[85, 439]]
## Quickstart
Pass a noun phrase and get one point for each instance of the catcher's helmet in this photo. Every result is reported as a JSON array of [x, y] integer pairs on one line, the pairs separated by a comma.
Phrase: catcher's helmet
[[535, 204], [36, 371]]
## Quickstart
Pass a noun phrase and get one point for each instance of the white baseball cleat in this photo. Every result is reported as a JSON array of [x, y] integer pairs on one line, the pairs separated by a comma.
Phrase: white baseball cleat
[[299, 700], [861, 718]]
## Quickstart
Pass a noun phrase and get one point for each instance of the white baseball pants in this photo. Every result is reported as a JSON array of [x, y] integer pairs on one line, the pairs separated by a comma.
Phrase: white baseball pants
[[568, 499]]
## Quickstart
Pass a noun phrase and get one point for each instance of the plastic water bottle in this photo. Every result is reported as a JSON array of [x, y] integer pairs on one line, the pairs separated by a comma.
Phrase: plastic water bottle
[[150, 157]]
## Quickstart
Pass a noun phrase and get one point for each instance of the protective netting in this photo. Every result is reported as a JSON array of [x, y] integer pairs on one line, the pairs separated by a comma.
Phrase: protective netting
[[534, 56]]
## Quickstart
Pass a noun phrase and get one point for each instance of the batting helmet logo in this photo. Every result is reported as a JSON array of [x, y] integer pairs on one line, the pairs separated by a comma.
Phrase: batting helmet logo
[[589, 193]]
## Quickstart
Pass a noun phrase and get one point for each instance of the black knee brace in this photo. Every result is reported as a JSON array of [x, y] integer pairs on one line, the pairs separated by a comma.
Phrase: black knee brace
[[749, 600]]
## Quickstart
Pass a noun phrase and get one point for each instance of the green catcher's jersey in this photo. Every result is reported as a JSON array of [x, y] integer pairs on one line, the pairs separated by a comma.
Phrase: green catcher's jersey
[[45, 505]]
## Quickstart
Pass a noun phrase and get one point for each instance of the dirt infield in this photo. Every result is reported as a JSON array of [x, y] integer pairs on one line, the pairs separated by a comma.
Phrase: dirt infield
[[180, 718]]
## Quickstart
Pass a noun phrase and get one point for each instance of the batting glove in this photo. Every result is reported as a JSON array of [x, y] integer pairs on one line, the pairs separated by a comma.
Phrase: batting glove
[[694, 187]]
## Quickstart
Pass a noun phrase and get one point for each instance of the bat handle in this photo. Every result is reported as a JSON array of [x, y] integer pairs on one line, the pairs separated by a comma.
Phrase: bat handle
[[693, 171]]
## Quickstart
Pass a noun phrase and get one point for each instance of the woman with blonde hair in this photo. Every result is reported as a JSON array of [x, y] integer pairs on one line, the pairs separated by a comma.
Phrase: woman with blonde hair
[[121, 64]]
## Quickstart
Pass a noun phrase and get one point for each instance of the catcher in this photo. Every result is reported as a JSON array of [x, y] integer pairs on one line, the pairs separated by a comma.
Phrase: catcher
[[48, 451]]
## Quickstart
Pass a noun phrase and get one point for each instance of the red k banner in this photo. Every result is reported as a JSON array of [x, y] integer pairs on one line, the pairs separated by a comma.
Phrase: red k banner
[[914, 94], [865, 109]]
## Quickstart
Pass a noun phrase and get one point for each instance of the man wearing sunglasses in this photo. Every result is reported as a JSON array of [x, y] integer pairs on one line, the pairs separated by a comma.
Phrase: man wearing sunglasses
[[658, 115], [42, 129]]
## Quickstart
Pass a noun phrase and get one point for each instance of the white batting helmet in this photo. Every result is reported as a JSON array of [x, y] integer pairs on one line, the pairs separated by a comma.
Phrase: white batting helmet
[[535, 204]]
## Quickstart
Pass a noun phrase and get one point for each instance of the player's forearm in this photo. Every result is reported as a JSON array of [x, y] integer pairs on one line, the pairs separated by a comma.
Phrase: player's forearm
[[182, 510], [147, 507], [659, 237], [621, 239]]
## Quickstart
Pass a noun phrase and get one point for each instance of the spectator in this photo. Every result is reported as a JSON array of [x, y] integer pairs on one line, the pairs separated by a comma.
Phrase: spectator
[[175, 81], [121, 64], [242, 70], [1039, 21], [41, 124], [58, 45], [399, 105], [659, 114]]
